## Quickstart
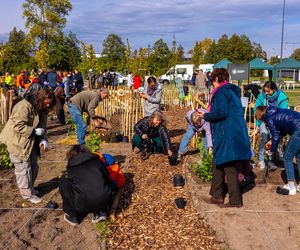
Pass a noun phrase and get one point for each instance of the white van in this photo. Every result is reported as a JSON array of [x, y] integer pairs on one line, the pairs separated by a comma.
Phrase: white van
[[184, 71]]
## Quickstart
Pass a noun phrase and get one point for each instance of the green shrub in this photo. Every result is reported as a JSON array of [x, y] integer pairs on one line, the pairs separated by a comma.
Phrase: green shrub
[[203, 167], [72, 127], [93, 142], [5, 162]]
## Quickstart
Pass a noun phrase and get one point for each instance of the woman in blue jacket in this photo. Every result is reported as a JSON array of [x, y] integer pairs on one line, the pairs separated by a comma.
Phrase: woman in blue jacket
[[231, 144], [271, 96], [282, 122]]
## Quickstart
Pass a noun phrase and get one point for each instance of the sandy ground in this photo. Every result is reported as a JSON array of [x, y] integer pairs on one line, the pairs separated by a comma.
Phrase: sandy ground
[[147, 217], [266, 221]]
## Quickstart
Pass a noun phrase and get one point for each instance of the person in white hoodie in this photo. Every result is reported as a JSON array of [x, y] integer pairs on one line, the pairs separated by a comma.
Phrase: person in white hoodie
[[195, 124]]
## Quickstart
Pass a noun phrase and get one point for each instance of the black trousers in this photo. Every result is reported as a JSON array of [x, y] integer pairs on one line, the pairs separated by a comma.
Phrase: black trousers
[[60, 110], [218, 188], [66, 191]]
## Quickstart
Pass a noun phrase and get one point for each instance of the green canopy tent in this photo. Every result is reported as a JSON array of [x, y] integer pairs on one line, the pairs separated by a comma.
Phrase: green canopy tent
[[221, 64], [258, 63], [287, 63]]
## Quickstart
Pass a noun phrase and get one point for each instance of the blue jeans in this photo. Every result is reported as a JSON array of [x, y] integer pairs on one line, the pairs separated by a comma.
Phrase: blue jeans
[[187, 138], [79, 122], [292, 149], [264, 138]]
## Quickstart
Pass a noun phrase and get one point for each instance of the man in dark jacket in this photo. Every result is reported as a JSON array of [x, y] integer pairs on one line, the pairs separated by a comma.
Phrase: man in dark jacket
[[152, 136], [86, 187], [78, 81], [280, 123], [52, 78]]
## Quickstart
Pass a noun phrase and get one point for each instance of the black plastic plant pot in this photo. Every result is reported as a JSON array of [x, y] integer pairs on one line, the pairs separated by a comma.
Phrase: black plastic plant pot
[[52, 205], [178, 181], [282, 191], [180, 203], [125, 139], [173, 160]]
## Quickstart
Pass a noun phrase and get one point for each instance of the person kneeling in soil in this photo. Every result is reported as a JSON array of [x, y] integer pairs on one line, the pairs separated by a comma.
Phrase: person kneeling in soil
[[195, 124], [152, 136], [282, 122], [86, 188], [24, 135]]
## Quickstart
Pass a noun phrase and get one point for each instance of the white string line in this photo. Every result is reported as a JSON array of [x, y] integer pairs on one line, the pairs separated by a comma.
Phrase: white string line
[[264, 228], [29, 208], [8, 240], [249, 211], [23, 226]]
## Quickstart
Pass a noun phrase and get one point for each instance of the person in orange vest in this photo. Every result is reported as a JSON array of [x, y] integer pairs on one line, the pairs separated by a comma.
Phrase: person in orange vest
[[22, 82]]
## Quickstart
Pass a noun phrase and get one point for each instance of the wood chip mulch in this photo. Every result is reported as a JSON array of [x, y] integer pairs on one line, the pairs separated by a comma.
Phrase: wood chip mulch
[[148, 216]]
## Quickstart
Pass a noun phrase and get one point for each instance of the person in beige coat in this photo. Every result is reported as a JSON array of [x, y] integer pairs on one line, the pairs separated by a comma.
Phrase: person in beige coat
[[24, 135]]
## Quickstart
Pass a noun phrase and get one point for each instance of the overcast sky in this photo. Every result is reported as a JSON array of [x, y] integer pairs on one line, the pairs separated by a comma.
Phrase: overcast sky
[[145, 21]]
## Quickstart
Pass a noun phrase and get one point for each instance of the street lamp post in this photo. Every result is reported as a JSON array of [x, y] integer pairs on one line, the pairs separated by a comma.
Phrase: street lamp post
[[282, 30]]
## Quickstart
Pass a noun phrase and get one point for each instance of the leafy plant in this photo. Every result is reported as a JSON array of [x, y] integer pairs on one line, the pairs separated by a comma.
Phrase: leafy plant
[[203, 167], [104, 229], [5, 162], [93, 142], [72, 127]]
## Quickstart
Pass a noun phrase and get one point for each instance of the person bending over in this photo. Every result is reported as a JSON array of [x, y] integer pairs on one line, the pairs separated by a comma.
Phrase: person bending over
[[24, 134], [86, 188], [195, 124], [85, 101], [283, 122]]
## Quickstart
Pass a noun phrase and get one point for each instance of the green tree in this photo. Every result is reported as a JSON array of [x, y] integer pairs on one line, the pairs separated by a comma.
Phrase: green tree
[[197, 54], [258, 52], [238, 49], [273, 60], [113, 52], [180, 54], [205, 44], [296, 54], [159, 58], [45, 20], [16, 53], [64, 52], [88, 58]]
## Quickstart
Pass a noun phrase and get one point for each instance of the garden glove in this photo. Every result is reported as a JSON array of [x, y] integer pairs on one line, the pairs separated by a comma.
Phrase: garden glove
[[39, 131], [44, 145]]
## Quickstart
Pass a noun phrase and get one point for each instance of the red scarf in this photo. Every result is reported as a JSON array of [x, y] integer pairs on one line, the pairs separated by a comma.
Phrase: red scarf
[[213, 93]]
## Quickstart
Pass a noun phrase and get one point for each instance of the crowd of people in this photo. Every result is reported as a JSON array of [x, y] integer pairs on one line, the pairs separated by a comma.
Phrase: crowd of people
[[93, 178]]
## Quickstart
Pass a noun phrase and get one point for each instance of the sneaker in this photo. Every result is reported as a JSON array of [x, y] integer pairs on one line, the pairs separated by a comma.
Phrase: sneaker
[[292, 190], [261, 165], [34, 199], [145, 155], [101, 216], [272, 166], [71, 220]]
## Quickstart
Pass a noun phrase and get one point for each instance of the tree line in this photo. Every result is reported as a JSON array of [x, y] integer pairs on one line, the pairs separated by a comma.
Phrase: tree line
[[45, 45]]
